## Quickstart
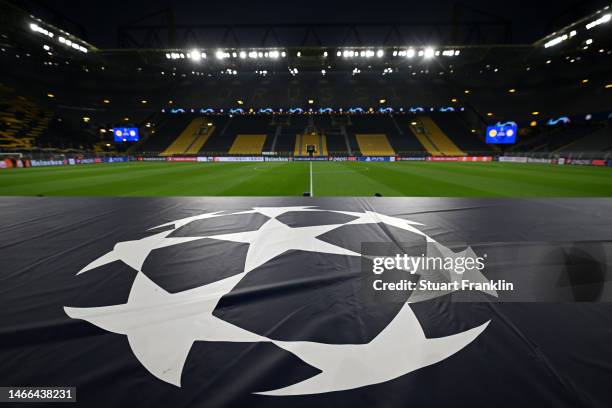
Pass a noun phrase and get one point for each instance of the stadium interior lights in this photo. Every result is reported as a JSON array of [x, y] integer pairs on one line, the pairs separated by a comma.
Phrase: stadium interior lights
[[220, 55], [362, 54], [429, 53], [601, 20], [556, 41], [38, 29], [196, 55], [69, 43]]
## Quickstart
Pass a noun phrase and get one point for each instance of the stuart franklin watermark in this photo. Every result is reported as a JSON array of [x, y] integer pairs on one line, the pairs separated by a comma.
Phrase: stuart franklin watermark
[[449, 273]]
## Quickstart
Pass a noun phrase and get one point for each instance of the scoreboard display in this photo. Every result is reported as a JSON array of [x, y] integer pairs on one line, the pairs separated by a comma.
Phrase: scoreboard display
[[125, 134], [502, 133]]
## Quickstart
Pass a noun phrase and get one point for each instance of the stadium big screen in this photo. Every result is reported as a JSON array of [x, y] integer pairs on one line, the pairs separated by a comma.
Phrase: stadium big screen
[[125, 134], [502, 133]]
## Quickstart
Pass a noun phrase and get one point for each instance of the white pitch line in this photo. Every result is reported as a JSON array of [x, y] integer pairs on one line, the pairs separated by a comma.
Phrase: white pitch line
[[311, 189]]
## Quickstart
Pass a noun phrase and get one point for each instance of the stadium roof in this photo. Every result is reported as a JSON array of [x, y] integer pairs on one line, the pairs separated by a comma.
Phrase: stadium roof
[[162, 23]]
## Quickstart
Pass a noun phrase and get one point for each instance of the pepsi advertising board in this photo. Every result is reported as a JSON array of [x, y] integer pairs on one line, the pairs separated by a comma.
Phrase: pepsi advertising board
[[125, 134], [502, 133]]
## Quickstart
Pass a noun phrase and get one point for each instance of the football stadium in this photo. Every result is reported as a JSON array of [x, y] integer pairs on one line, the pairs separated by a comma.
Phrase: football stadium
[[328, 204]]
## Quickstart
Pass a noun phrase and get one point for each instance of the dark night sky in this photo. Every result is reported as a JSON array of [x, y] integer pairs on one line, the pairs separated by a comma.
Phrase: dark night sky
[[531, 19]]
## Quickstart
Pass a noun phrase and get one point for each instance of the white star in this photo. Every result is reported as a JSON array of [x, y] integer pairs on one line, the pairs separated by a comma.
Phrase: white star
[[273, 212], [371, 217], [399, 349], [161, 327], [134, 253], [275, 238], [184, 221]]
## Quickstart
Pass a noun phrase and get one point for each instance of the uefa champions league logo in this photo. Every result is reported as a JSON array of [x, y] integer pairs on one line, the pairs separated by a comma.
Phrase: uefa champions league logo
[[161, 326]]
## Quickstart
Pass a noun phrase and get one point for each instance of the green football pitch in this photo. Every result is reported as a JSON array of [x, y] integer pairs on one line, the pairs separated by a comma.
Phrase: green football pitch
[[294, 178]]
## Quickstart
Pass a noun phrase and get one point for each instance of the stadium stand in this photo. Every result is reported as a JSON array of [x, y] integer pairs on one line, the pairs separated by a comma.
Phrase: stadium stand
[[165, 134], [435, 141], [599, 140], [248, 144], [318, 140], [459, 132], [374, 145], [289, 126], [191, 139], [560, 138], [337, 144], [229, 128], [22, 121]]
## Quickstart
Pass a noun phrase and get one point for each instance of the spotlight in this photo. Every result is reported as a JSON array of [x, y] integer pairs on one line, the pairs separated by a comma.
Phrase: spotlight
[[603, 19], [195, 55], [410, 53], [380, 53], [428, 53]]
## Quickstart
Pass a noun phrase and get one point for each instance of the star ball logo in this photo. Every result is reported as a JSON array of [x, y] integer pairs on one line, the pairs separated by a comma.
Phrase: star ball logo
[[161, 327]]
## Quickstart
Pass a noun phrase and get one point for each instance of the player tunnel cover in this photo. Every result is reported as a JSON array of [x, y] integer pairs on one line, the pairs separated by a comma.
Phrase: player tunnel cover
[[267, 302]]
